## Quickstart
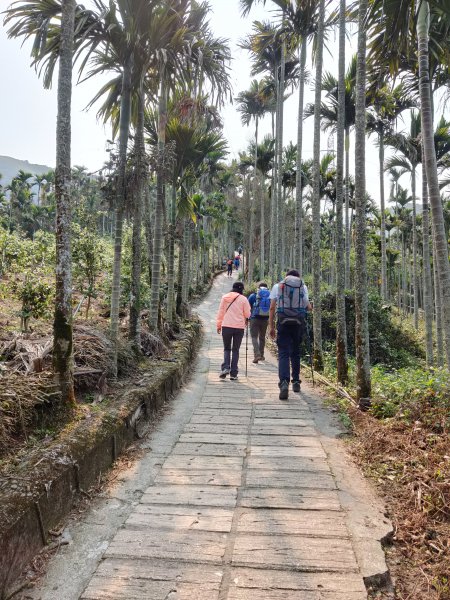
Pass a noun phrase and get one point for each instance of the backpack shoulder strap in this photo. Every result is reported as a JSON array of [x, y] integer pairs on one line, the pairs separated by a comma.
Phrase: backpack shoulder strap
[[232, 302]]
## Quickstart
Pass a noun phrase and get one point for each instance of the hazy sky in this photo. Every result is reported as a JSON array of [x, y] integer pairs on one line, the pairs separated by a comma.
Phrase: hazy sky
[[28, 112]]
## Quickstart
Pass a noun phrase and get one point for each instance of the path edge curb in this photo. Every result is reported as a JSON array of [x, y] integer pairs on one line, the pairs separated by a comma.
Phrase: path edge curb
[[75, 465]]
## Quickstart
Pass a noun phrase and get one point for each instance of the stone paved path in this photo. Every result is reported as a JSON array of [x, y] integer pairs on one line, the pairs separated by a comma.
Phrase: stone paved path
[[244, 506]]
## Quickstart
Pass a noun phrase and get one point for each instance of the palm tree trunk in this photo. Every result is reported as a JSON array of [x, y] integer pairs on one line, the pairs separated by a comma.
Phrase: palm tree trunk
[[384, 286], [179, 301], [62, 324], [148, 217], [363, 383], [347, 209], [315, 249], [185, 263], [283, 232], [298, 253], [253, 206], [171, 259], [404, 278], [262, 259], [415, 250], [341, 328], [280, 101], [441, 244], [438, 312], [159, 209], [124, 127], [427, 292], [135, 303], [273, 197]]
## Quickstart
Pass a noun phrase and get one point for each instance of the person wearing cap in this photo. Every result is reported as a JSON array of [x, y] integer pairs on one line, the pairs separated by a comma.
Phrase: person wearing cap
[[232, 316], [289, 302]]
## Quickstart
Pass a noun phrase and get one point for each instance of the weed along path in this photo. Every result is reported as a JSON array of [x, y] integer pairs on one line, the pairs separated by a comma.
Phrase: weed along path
[[238, 496]]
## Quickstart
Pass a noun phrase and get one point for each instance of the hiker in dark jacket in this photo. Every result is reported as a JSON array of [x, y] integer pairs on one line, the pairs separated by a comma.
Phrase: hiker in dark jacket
[[230, 267], [259, 320], [290, 302]]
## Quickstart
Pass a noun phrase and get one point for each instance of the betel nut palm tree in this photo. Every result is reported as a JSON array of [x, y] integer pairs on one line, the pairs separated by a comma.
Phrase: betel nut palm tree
[[386, 105], [211, 55], [253, 105], [402, 30], [408, 158], [317, 314], [341, 327], [63, 18], [363, 378], [329, 120]]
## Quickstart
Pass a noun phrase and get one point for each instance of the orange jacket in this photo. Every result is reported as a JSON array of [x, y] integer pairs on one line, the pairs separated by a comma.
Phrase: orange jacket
[[237, 314]]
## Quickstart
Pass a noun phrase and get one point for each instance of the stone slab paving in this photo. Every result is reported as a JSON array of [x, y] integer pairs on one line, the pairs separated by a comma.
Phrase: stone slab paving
[[244, 507]]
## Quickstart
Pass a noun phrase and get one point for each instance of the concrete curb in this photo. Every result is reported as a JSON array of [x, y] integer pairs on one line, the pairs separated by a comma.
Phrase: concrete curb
[[43, 492]]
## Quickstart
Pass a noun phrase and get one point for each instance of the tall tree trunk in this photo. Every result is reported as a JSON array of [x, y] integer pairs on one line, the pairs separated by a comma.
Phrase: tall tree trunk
[[253, 207], [124, 128], [273, 200], [280, 99], [283, 232], [298, 253], [62, 324], [315, 249], [404, 277], [441, 244], [185, 258], [171, 259], [438, 311], [427, 289], [341, 328], [415, 279], [139, 199], [384, 286], [148, 218], [363, 383], [159, 209], [347, 209], [180, 275], [262, 258]]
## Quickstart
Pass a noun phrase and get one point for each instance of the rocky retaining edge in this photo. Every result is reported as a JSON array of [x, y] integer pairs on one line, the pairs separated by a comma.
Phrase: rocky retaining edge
[[42, 491]]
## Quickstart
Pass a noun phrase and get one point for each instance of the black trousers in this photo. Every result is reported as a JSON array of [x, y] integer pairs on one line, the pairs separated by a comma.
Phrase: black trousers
[[232, 340]]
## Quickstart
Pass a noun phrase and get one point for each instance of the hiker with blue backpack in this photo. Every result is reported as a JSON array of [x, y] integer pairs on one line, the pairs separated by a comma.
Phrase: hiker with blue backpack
[[290, 302], [259, 320]]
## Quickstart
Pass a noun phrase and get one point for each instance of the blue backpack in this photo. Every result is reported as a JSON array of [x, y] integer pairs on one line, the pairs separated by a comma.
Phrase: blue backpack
[[261, 307]]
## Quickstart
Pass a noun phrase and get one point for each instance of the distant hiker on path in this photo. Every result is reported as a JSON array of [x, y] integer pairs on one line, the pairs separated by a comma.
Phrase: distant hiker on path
[[290, 301], [230, 267], [234, 311], [237, 262], [259, 320]]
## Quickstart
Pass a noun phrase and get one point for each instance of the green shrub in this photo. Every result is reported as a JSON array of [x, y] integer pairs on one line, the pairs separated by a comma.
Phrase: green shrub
[[413, 394], [36, 297], [390, 342]]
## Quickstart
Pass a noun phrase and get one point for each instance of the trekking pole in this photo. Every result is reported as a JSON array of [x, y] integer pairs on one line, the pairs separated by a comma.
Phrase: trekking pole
[[246, 349]]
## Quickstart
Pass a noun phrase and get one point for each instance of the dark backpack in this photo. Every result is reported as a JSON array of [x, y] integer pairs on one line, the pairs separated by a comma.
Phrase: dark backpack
[[261, 307], [291, 306]]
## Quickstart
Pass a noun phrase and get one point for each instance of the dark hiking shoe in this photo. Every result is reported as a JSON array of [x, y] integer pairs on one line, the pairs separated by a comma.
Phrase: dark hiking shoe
[[233, 377], [296, 386], [284, 390], [256, 359], [262, 358], [224, 373]]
